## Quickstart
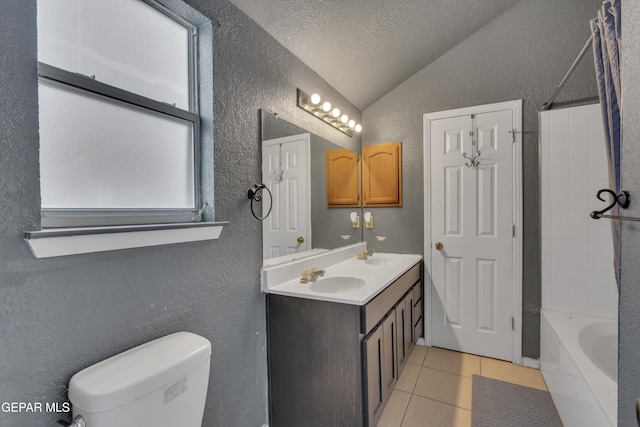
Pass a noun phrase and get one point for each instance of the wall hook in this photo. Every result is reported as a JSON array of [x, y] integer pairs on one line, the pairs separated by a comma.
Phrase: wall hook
[[474, 160], [277, 175], [622, 199]]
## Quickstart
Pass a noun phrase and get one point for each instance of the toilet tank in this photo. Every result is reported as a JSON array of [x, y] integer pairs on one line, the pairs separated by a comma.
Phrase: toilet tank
[[157, 384]]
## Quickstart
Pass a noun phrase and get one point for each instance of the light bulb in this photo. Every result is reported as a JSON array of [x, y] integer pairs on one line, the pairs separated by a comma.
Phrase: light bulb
[[358, 128], [315, 99], [335, 113], [352, 124], [344, 118], [326, 107]]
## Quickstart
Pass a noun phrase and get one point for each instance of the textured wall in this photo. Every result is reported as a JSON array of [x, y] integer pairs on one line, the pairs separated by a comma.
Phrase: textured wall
[[60, 315], [629, 314], [522, 54]]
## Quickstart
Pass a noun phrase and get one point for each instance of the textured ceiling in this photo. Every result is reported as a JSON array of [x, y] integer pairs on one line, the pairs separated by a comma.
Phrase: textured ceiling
[[365, 48]]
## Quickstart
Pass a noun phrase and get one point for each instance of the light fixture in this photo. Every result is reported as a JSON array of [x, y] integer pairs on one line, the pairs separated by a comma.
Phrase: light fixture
[[330, 114], [355, 220]]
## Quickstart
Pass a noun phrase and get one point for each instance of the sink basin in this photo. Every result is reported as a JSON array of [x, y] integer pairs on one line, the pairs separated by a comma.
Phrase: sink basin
[[335, 285], [382, 261]]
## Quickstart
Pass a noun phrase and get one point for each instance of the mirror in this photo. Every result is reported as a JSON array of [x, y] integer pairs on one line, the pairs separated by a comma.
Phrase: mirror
[[295, 159]]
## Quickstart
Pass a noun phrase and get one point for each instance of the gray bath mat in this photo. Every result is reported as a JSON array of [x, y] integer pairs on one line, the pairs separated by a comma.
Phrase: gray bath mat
[[500, 404]]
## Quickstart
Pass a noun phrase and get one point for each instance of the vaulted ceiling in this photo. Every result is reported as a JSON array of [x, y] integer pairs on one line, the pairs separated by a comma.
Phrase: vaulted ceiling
[[365, 48]]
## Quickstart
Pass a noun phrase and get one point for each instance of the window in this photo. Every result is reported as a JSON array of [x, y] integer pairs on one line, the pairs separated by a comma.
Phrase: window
[[119, 123]]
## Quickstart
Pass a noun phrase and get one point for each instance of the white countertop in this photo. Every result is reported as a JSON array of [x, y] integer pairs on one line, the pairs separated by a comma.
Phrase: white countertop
[[373, 276]]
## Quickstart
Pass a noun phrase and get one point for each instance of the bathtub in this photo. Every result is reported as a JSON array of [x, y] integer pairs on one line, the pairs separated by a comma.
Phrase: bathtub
[[579, 362]]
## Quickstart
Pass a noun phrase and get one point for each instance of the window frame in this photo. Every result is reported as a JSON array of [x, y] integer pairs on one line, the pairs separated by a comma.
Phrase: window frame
[[70, 218]]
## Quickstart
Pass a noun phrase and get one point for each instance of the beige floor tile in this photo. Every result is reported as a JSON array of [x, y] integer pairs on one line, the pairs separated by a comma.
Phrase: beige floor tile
[[394, 411], [408, 377], [417, 355], [452, 361], [444, 387], [508, 372], [423, 412]]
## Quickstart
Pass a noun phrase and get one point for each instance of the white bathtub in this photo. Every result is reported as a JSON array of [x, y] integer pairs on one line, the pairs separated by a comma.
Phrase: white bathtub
[[579, 362]]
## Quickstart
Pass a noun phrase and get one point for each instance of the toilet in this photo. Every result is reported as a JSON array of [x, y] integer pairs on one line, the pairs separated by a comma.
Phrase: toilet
[[161, 383]]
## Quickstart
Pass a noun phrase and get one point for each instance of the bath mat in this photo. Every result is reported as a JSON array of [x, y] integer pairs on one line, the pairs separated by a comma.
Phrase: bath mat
[[500, 404]]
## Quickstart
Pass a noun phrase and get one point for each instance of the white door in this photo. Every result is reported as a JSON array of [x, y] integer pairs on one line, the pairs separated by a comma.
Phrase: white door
[[286, 172], [472, 232]]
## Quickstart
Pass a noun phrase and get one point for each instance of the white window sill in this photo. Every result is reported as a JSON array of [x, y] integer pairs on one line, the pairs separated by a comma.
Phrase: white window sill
[[70, 241]]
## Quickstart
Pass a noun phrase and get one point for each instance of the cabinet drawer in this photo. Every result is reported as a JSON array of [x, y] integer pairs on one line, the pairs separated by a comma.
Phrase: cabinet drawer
[[377, 308], [417, 310], [417, 330], [417, 293]]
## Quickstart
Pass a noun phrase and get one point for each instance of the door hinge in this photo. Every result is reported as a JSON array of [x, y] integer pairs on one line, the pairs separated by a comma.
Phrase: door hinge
[[513, 133], [513, 324], [513, 230]]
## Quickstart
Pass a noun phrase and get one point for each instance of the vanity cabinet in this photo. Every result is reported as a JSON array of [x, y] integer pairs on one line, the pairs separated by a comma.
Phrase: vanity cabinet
[[398, 339], [382, 174], [380, 354], [417, 313], [343, 178], [404, 314], [336, 364]]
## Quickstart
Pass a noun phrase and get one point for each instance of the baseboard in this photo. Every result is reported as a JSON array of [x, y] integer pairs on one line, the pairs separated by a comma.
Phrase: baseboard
[[531, 363]]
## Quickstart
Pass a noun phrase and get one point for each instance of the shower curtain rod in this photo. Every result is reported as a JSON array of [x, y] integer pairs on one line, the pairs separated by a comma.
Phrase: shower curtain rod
[[622, 218], [547, 105]]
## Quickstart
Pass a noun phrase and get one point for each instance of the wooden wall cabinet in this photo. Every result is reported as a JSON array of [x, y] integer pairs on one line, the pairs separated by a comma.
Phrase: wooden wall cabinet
[[382, 174], [343, 178]]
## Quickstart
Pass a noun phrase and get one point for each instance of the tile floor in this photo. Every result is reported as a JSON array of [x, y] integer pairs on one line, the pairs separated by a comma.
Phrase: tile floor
[[434, 388]]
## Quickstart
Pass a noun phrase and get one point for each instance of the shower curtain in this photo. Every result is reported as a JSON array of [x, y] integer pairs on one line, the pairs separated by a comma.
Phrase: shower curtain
[[606, 32]]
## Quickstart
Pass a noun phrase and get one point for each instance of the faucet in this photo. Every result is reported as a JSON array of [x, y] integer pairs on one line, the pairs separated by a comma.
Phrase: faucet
[[311, 274]]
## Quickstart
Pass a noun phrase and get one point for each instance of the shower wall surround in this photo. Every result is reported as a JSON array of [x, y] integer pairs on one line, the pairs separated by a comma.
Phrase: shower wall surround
[[577, 251]]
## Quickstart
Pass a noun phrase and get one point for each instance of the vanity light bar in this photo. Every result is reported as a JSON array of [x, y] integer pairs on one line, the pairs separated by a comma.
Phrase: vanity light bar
[[324, 111]]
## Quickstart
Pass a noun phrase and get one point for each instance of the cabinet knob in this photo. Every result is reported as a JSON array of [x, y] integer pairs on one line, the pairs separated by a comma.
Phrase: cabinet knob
[[300, 239], [438, 245]]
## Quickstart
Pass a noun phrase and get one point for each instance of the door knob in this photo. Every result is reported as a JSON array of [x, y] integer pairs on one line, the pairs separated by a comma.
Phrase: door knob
[[300, 239], [438, 245]]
